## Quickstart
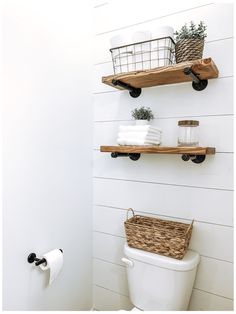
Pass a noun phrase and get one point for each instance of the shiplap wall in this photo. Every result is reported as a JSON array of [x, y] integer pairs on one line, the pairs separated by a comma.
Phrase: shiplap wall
[[164, 185]]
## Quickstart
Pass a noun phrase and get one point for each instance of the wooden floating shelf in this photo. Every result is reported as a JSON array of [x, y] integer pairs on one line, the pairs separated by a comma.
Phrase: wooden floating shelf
[[196, 154], [158, 150], [200, 71]]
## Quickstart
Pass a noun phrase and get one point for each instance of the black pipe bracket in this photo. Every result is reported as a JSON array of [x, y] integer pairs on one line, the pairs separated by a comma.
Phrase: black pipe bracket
[[132, 156], [197, 83], [197, 159], [133, 91]]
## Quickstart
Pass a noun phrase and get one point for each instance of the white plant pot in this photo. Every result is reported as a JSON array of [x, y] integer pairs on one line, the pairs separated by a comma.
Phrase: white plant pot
[[141, 122]]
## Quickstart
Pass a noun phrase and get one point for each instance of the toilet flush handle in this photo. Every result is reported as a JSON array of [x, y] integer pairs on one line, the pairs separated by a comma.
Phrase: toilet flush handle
[[127, 261]]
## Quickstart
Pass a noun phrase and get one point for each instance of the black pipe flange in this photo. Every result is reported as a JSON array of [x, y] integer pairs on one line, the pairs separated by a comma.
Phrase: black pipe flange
[[197, 159], [134, 156], [197, 83], [200, 86]]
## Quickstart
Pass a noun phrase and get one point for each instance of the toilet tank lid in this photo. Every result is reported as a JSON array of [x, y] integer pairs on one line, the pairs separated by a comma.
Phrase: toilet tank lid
[[190, 260]]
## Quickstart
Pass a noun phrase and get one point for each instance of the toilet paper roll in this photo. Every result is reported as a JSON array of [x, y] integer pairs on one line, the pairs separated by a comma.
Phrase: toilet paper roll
[[161, 47], [54, 263], [122, 57], [120, 40], [141, 36], [163, 31], [142, 52]]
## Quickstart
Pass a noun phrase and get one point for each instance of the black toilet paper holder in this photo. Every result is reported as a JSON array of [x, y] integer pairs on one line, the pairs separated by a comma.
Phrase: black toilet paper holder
[[32, 258]]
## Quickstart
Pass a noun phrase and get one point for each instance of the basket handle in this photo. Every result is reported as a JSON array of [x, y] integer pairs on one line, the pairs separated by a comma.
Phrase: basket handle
[[127, 214], [190, 226]]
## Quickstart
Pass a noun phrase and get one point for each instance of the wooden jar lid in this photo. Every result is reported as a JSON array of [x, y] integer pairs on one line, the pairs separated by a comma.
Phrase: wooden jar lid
[[188, 123]]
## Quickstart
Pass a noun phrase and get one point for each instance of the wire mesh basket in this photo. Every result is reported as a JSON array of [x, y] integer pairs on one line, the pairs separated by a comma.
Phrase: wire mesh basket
[[143, 55]]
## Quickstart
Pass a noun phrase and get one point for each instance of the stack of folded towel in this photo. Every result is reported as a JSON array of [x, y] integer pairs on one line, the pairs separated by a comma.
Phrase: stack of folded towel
[[139, 135]]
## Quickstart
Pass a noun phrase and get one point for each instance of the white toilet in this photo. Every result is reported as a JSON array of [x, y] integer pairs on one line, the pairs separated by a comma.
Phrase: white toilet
[[158, 282]]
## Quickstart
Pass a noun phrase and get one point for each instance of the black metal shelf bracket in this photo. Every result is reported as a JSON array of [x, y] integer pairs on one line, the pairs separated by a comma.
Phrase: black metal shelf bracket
[[133, 91], [132, 156], [197, 159], [197, 83]]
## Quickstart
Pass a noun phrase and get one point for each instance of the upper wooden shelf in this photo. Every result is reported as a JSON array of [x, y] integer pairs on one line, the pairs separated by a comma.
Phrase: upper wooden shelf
[[196, 71], [196, 154]]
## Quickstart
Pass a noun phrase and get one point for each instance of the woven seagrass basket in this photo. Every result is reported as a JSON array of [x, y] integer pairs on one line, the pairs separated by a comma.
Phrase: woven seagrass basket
[[188, 49], [164, 237]]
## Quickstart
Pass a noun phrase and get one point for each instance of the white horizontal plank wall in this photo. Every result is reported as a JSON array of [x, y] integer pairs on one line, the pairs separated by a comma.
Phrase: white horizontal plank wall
[[163, 185]]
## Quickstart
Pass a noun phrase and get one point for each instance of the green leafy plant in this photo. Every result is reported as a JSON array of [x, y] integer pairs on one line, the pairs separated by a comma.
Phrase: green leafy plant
[[192, 31], [142, 113]]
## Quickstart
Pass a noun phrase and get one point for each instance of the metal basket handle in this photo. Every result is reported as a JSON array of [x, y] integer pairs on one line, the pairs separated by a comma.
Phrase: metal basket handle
[[190, 226], [127, 214]]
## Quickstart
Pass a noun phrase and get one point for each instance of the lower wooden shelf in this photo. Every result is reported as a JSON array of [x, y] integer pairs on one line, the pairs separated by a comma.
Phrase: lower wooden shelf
[[159, 149], [195, 154]]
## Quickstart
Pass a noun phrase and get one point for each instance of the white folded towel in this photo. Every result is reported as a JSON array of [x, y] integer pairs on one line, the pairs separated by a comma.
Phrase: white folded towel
[[143, 140], [138, 128], [122, 141], [140, 135]]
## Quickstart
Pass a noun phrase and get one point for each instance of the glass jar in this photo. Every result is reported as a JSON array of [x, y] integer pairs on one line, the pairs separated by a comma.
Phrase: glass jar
[[188, 133]]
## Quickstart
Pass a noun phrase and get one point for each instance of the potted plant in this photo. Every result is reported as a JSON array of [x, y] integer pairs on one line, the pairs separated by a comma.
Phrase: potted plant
[[190, 42], [142, 115]]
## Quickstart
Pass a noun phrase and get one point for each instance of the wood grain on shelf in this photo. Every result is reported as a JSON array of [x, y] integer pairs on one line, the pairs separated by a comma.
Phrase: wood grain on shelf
[[159, 150], [204, 68]]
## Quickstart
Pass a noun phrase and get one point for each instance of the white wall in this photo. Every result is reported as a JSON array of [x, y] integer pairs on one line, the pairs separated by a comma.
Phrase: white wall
[[165, 185], [47, 157]]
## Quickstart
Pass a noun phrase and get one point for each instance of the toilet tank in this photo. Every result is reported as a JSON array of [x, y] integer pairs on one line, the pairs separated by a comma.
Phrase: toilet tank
[[158, 282]]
